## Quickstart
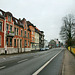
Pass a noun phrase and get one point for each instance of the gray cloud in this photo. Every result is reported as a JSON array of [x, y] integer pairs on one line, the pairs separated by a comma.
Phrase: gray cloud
[[45, 14]]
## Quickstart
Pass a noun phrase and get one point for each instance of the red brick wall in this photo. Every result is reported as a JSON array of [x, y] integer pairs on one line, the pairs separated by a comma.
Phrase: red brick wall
[[2, 40], [2, 33]]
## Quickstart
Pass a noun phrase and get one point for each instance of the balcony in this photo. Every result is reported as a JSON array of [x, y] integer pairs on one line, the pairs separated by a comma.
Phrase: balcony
[[10, 34]]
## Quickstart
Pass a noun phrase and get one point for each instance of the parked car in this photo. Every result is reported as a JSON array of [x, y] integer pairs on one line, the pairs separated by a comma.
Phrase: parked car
[[46, 48], [42, 49]]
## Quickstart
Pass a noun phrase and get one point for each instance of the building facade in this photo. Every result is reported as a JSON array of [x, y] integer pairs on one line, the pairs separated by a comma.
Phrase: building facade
[[14, 34], [18, 35], [41, 39], [37, 38], [32, 36]]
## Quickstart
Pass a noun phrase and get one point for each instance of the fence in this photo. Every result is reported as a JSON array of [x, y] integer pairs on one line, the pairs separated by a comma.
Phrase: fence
[[71, 49]]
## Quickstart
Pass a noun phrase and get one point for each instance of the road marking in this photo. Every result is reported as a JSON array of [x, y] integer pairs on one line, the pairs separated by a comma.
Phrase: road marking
[[35, 56], [40, 69], [4, 58], [2, 67], [22, 61]]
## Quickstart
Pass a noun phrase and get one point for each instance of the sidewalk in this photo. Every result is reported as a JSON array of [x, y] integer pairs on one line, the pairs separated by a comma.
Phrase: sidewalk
[[68, 64]]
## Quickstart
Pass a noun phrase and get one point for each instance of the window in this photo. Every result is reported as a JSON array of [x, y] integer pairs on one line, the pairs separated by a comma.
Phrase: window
[[7, 41], [28, 43], [21, 32], [32, 39], [21, 43], [10, 41], [17, 31], [7, 27], [1, 13], [32, 46], [9, 18], [25, 43], [25, 33], [32, 32], [0, 40], [25, 26], [14, 42], [10, 28], [28, 35], [0, 26]]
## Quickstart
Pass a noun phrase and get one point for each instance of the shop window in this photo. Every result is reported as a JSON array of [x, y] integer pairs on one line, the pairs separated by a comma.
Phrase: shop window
[[7, 41], [28, 43], [25, 43], [14, 42], [10, 41], [21, 43]]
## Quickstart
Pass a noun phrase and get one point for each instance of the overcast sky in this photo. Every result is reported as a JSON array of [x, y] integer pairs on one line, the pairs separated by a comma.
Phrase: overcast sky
[[46, 15]]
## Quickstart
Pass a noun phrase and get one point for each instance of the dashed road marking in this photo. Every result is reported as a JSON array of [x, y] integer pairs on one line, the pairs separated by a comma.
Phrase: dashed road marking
[[35, 56], [2, 67], [4, 58], [22, 61], [40, 69]]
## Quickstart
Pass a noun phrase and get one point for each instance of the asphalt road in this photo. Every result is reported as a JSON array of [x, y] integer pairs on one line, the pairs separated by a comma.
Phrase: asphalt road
[[40, 63]]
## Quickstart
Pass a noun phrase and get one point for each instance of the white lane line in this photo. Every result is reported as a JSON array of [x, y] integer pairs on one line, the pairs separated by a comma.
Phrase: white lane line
[[22, 60], [2, 67], [40, 69], [13, 56]]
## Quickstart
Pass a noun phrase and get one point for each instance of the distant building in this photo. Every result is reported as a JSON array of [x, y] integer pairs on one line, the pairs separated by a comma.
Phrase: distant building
[[41, 39], [57, 43], [45, 43], [52, 44]]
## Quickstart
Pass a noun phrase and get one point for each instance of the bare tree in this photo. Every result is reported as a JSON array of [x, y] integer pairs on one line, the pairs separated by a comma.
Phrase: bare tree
[[68, 29]]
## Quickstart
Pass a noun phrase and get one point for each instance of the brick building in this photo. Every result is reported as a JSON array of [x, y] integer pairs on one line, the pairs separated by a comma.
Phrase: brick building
[[14, 33], [18, 35]]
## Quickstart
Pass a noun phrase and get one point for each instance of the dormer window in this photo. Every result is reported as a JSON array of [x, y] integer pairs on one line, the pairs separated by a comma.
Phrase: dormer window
[[1, 13], [9, 18], [21, 23], [16, 21]]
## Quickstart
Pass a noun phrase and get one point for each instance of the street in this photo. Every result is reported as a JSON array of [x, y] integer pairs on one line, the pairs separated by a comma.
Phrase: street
[[40, 63]]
